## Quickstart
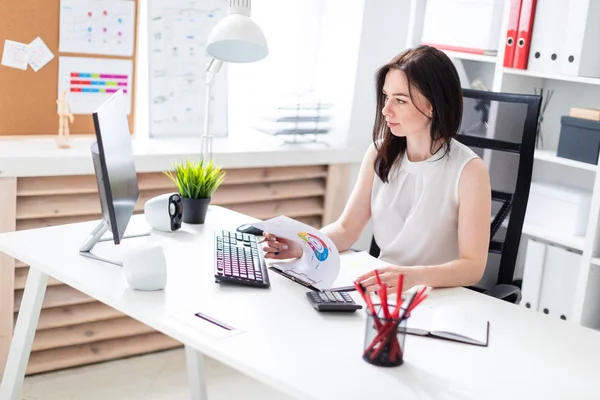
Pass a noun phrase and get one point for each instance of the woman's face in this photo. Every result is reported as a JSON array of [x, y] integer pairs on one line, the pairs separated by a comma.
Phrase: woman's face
[[401, 114]]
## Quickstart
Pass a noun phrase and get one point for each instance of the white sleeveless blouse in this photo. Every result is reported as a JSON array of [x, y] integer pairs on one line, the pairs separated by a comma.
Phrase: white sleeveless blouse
[[415, 214]]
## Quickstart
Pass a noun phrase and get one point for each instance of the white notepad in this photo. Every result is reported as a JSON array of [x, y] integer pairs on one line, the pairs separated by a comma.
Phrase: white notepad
[[449, 323]]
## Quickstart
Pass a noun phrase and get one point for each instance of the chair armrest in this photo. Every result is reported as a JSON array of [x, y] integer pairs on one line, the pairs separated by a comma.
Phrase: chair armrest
[[508, 293]]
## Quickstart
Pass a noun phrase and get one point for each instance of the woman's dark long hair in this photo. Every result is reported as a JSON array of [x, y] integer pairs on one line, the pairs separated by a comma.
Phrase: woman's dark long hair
[[431, 72]]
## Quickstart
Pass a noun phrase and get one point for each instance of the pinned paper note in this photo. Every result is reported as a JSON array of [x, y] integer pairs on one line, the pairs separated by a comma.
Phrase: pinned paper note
[[97, 27], [15, 54], [39, 54], [89, 82], [320, 263]]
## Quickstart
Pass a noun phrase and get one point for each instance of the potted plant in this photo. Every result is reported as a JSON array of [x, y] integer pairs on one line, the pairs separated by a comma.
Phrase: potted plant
[[196, 182]]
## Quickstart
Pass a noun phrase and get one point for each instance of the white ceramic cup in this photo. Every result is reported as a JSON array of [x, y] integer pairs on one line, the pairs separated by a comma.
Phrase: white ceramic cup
[[146, 268]]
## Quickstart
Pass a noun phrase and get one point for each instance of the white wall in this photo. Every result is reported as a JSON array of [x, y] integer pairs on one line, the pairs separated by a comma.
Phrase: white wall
[[141, 114], [384, 30]]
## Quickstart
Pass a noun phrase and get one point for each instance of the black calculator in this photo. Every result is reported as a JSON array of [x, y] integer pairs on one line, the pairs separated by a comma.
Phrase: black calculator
[[332, 301]]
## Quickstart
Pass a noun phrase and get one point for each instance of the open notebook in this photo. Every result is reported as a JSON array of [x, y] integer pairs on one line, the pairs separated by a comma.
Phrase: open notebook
[[449, 323]]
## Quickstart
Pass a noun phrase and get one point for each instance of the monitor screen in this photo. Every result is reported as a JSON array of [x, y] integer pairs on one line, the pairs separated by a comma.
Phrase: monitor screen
[[118, 183]]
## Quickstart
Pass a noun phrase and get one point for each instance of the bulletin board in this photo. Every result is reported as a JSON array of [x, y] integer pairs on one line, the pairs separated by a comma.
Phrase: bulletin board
[[28, 98]]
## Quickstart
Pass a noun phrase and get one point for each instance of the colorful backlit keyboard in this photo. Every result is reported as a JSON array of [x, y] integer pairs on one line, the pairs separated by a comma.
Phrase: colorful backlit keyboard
[[239, 259]]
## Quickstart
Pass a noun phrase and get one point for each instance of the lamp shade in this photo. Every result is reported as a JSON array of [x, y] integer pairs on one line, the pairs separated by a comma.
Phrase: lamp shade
[[237, 38]]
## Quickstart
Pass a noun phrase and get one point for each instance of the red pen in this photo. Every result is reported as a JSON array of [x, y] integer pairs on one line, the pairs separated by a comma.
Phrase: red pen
[[382, 295], [360, 289], [399, 295]]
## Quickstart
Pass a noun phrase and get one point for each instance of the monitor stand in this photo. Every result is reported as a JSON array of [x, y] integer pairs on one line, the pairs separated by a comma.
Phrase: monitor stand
[[96, 237]]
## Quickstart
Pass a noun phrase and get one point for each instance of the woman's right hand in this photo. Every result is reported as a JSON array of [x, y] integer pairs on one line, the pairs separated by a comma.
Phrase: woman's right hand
[[280, 248]]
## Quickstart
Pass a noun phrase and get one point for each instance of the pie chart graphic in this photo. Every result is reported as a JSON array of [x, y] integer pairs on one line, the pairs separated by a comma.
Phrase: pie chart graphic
[[318, 246]]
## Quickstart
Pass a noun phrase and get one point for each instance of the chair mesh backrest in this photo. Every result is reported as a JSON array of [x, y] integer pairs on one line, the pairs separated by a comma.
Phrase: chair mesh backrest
[[501, 129]]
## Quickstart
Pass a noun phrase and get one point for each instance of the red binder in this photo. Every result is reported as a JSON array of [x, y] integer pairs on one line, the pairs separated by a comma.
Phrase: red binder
[[526, 18], [511, 32]]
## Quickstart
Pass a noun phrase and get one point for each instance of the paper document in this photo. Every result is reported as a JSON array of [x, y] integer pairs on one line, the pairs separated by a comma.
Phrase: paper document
[[89, 82], [97, 27], [15, 54], [354, 264], [319, 265], [177, 35], [39, 54]]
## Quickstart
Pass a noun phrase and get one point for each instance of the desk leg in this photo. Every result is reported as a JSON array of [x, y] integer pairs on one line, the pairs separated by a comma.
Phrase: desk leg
[[20, 348], [196, 372]]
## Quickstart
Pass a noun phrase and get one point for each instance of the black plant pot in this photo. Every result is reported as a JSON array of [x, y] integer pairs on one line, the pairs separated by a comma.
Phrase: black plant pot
[[194, 210]]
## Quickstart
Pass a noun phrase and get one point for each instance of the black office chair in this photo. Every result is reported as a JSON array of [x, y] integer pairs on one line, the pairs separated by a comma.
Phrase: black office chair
[[501, 128]]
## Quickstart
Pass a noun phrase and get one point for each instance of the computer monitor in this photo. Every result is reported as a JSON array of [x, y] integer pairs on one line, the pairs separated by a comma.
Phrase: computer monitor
[[112, 156]]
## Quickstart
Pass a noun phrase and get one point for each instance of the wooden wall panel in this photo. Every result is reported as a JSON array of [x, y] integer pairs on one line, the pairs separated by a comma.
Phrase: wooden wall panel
[[66, 357], [32, 223], [283, 174], [56, 296], [21, 278], [73, 335], [293, 208], [75, 329], [259, 192], [80, 184], [338, 180], [76, 314], [8, 201]]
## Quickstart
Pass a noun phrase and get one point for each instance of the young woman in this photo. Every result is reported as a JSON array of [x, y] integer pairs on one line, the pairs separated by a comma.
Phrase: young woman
[[428, 196]]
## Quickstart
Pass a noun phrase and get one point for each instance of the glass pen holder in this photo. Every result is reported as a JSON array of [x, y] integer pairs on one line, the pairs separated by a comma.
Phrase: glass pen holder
[[384, 338]]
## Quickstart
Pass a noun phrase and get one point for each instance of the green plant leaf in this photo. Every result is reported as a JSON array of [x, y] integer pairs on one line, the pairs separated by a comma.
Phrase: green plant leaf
[[196, 179]]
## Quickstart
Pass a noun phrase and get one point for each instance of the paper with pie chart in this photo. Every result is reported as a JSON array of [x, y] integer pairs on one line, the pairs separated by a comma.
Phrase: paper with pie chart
[[320, 263]]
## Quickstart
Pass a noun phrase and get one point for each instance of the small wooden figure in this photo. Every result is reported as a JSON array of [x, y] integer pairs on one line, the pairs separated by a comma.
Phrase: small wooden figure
[[64, 117]]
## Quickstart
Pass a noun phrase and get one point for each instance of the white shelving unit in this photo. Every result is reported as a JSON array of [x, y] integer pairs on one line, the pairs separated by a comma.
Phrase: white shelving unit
[[471, 56], [569, 91], [572, 242], [551, 157], [554, 77]]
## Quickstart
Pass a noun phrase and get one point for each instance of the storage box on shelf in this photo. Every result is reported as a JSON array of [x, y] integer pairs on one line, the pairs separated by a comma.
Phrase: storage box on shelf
[[560, 209], [579, 139], [443, 16]]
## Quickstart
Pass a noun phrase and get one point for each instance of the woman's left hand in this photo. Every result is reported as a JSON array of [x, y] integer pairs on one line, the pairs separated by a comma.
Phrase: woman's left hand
[[389, 277]]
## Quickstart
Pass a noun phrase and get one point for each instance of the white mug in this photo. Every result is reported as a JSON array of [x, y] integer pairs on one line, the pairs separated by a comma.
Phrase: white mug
[[146, 268]]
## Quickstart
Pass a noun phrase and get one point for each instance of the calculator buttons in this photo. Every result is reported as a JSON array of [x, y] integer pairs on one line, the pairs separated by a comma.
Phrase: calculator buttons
[[332, 301]]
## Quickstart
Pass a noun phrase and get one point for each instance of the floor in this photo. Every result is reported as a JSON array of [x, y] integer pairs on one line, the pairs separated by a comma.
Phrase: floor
[[149, 377]]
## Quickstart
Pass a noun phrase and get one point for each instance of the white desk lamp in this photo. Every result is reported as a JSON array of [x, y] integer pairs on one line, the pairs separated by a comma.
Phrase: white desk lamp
[[236, 38]]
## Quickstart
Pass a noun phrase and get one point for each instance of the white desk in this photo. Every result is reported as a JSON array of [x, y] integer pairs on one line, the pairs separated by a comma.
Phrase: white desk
[[282, 341]]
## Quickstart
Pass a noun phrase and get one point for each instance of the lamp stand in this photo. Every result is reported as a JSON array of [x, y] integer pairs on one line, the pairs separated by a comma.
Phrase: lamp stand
[[211, 71]]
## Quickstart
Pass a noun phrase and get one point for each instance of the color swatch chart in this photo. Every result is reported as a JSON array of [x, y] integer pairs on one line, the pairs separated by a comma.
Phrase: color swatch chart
[[97, 27], [97, 83], [89, 82]]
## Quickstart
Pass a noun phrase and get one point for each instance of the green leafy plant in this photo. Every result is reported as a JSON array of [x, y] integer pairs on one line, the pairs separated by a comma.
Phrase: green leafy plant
[[196, 179]]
